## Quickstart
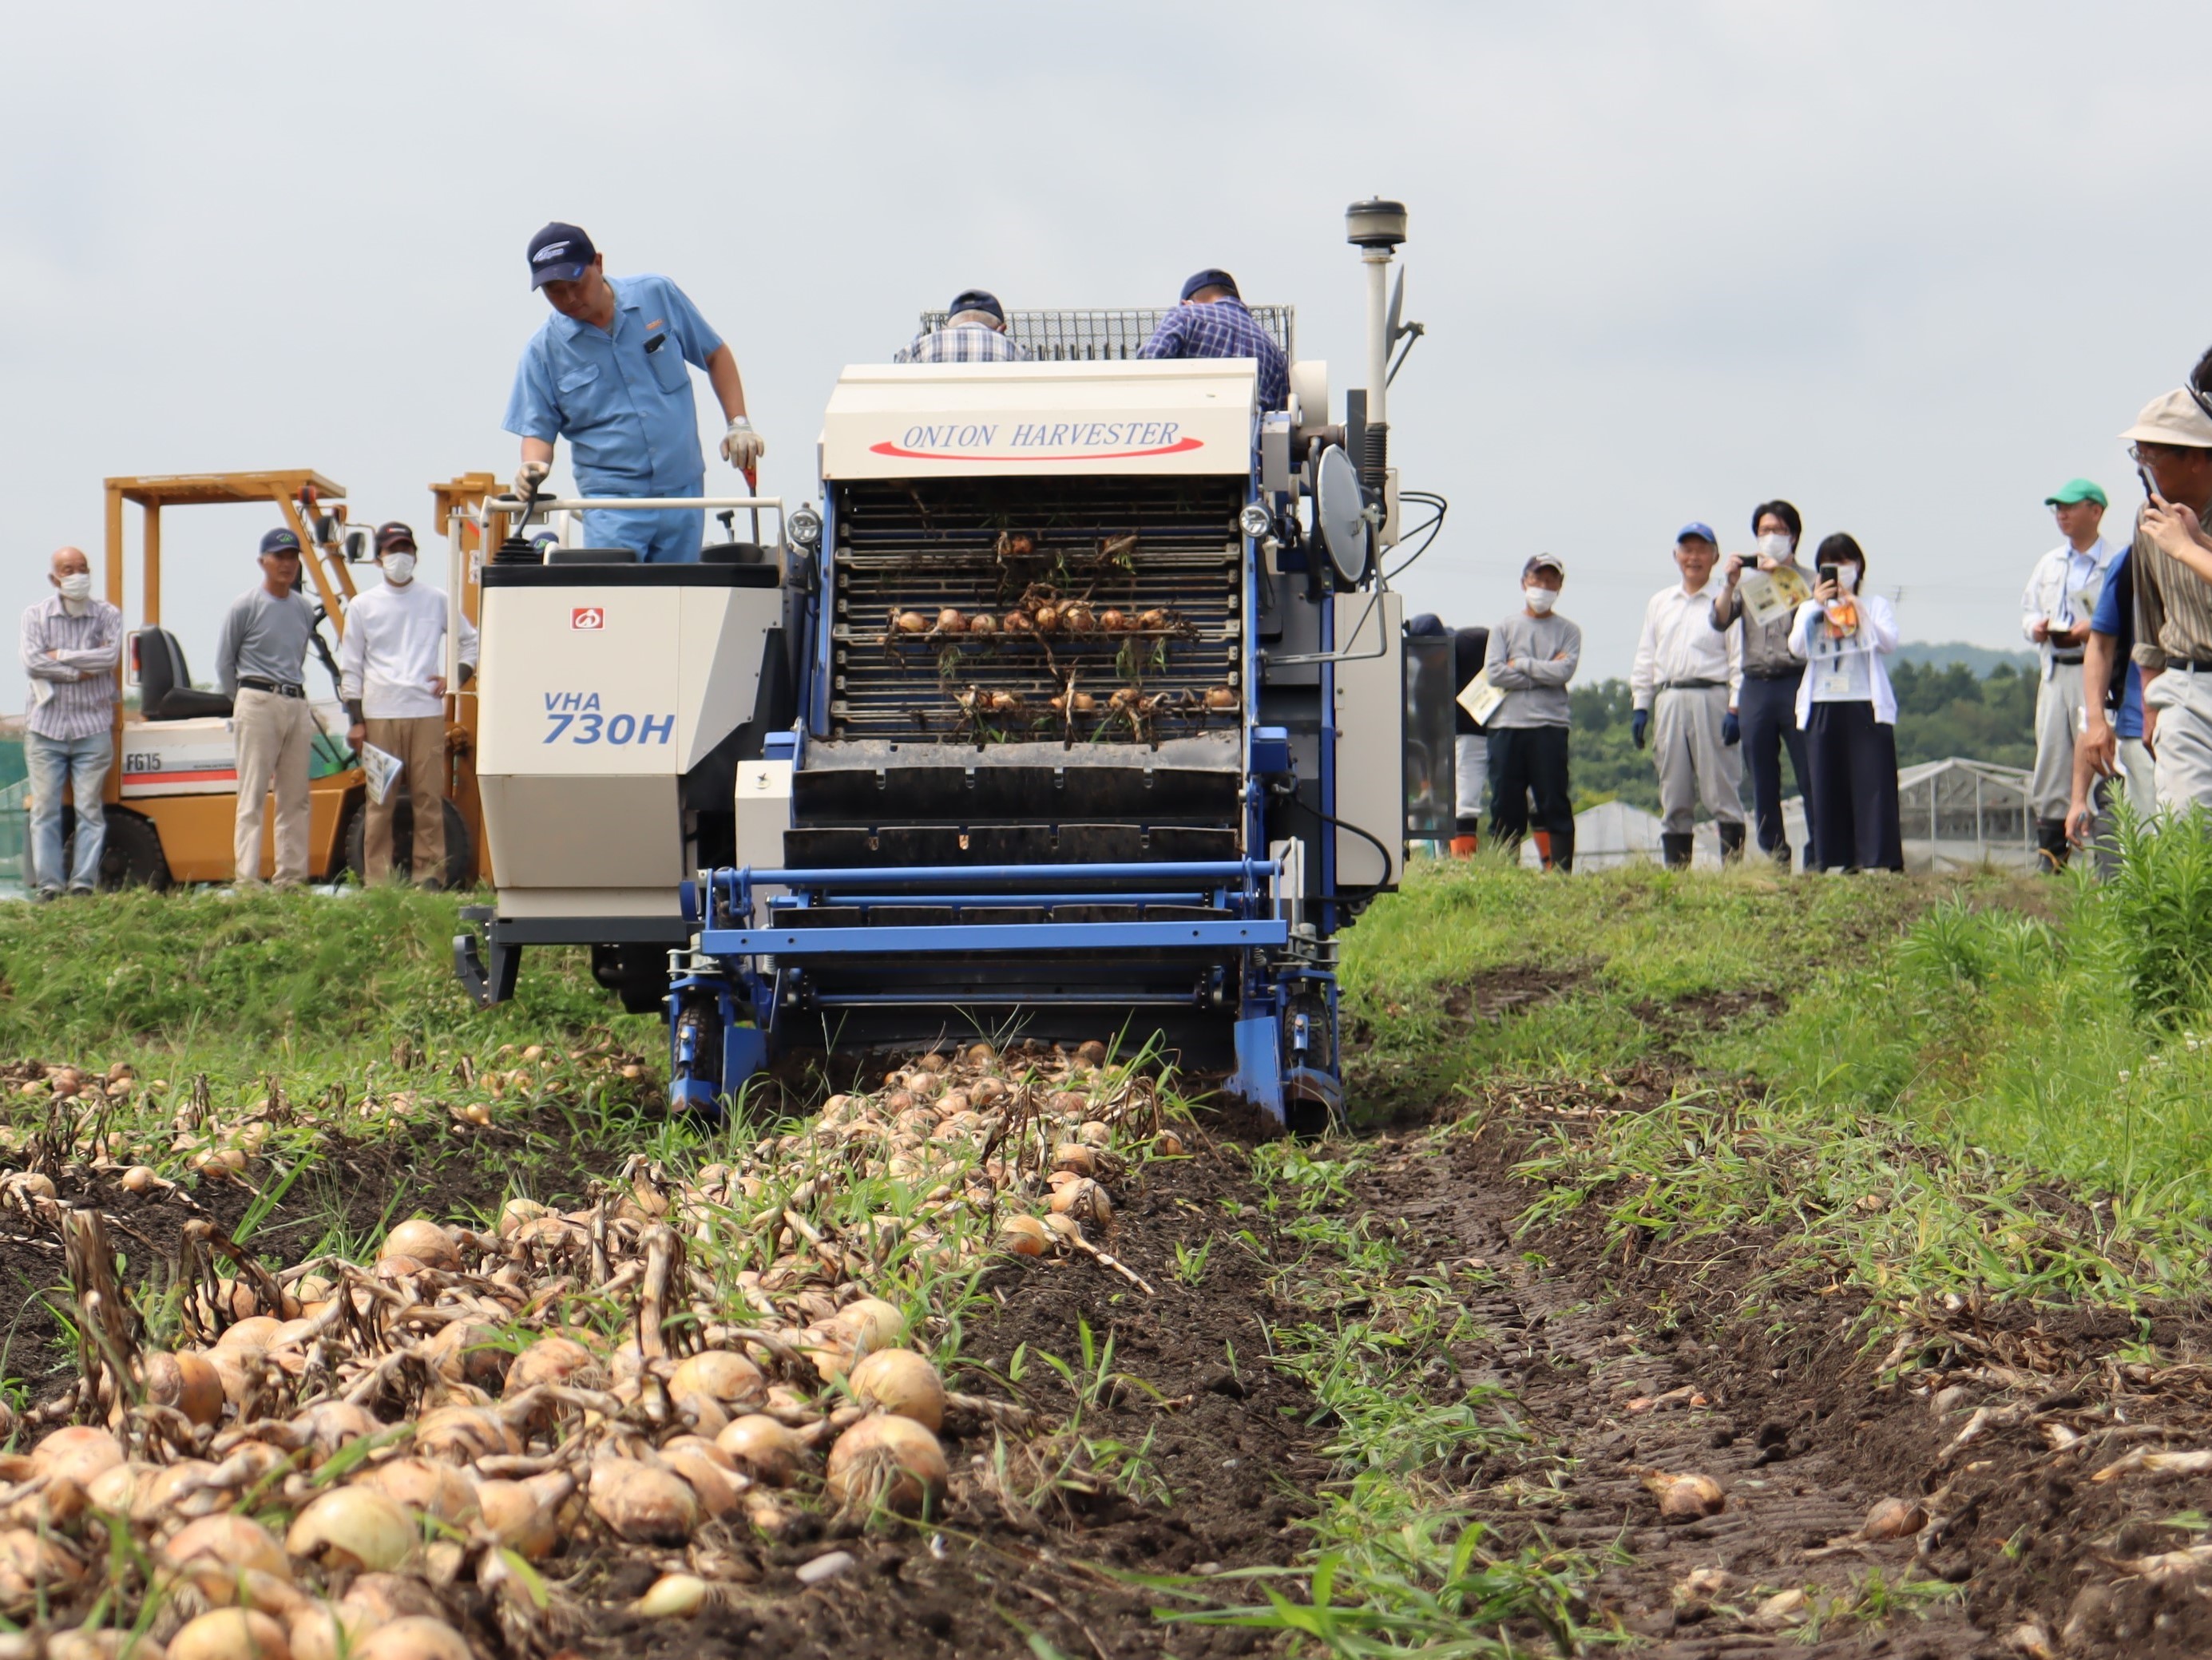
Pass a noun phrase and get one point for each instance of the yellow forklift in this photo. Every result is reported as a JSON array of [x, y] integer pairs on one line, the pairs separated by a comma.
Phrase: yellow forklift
[[172, 796]]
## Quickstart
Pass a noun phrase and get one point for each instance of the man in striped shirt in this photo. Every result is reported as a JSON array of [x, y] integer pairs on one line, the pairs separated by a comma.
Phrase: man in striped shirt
[[70, 643], [1212, 322], [2172, 441]]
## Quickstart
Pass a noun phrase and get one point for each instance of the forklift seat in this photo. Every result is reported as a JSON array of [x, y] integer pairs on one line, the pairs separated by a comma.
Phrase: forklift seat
[[165, 684]]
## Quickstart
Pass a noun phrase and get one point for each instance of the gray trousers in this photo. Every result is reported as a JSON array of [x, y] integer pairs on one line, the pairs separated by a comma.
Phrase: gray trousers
[[1470, 772], [2183, 698], [2057, 721], [1692, 762]]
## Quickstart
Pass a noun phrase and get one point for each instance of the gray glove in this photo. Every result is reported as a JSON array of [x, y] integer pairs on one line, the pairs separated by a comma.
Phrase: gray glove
[[743, 447], [530, 475]]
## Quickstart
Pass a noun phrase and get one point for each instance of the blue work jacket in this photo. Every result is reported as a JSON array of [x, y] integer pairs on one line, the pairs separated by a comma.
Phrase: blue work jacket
[[622, 399]]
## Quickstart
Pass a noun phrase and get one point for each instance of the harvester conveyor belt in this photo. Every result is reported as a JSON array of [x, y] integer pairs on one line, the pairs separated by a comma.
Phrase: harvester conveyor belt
[[996, 937]]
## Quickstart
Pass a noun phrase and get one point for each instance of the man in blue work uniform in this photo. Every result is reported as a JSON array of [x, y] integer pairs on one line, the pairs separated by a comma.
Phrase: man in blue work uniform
[[608, 373], [1212, 322]]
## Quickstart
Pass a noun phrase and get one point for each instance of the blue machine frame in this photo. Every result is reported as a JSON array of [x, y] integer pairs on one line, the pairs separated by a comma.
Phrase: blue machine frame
[[725, 1004]]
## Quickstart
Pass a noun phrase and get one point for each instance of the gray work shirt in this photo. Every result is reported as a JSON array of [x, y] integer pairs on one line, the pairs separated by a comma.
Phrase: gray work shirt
[[1766, 645], [1520, 662], [265, 638]]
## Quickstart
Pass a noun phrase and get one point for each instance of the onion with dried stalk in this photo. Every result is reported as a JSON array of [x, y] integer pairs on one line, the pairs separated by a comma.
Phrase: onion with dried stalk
[[436, 1488], [1153, 620], [227, 1541], [1220, 697], [764, 1449], [525, 1516], [355, 1529], [871, 1323], [727, 1379], [1076, 617], [1024, 1236], [33, 1564], [461, 1435], [950, 621], [902, 1382], [642, 1503], [983, 623], [77, 1454], [890, 1461], [708, 1471], [1018, 621], [910, 621], [1113, 621], [423, 1240], [552, 1360]]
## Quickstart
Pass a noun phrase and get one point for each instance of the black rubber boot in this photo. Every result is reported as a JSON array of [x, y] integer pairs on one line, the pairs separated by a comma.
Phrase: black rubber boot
[[2050, 845], [1782, 856], [1675, 850], [1731, 842]]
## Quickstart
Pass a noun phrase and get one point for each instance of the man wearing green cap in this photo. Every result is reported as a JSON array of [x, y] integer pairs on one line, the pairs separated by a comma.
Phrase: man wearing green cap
[[2054, 614]]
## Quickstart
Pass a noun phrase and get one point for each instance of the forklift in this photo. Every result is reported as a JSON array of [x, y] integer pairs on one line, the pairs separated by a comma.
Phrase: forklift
[[172, 795]]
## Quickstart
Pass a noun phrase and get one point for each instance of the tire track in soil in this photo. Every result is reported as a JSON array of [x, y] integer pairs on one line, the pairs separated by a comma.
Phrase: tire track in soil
[[1573, 1361]]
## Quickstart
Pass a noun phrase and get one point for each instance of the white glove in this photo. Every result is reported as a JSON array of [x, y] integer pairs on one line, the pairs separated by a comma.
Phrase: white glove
[[743, 447], [529, 476]]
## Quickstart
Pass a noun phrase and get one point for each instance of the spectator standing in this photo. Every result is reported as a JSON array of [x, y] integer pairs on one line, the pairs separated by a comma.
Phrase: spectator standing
[[1688, 668], [1470, 744], [1849, 712], [2172, 572], [1530, 657], [2055, 613], [70, 642], [1767, 703], [392, 676], [2111, 743], [260, 657]]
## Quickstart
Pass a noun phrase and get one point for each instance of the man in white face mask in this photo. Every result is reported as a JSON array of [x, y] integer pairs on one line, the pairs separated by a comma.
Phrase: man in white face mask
[[1532, 656], [392, 674], [70, 642]]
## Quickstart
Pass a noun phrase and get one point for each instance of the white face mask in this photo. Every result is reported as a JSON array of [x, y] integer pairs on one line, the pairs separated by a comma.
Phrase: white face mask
[[399, 568], [1777, 547], [1541, 600], [77, 585], [1847, 578]]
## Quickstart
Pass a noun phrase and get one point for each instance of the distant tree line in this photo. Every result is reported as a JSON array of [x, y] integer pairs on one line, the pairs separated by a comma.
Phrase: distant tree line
[[1940, 712]]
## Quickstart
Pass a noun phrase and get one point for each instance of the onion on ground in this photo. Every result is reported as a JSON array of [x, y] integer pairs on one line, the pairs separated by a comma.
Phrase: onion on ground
[[763, 1448], [902, 1382], [415, 1638], [642, 1503], [231, 1634], [890, 1461], [353, 1528]]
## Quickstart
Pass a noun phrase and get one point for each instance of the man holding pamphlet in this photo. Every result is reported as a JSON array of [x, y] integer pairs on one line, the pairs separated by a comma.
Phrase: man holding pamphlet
[[1765, 590]]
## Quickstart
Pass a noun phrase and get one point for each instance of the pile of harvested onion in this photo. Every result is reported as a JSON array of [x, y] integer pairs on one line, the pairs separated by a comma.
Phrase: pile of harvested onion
[[385, 1410]]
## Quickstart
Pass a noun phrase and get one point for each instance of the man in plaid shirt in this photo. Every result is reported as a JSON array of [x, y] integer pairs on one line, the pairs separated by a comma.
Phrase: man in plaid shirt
[[69, 644], [974, 331], [1212, 322]]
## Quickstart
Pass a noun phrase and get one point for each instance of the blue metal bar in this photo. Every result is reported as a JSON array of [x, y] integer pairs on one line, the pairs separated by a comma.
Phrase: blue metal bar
[[930, 875], [992, 937], [1118, 896]]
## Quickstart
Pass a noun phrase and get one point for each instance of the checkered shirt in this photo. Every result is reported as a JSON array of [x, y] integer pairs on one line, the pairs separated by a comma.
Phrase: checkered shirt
[[962, 343], [83, 704], [1223, 329]]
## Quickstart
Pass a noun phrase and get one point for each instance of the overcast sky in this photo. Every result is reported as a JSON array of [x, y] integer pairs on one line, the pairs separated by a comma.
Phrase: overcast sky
[[1910, 265]]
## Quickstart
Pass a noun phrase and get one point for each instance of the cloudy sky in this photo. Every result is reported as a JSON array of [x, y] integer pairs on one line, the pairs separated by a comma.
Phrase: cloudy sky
[[1909, 265]]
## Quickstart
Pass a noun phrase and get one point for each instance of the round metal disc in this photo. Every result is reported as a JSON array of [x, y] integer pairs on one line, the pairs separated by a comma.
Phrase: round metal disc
[[1340, 514]]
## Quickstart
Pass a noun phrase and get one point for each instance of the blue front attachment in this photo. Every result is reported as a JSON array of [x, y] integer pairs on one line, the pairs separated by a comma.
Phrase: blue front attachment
[[760, 939]]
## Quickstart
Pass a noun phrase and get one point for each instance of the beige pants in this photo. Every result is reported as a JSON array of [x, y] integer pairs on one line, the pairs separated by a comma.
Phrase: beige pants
[[2057, 719], [1691, 760], [273, 734], [2183, 698], [419, 741]]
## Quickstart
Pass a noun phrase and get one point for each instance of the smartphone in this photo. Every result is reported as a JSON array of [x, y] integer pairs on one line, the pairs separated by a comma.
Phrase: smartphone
[[2149, 495], [1829, 572]]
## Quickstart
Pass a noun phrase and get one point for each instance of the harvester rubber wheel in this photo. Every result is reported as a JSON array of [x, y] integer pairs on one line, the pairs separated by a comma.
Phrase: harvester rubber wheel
[[132, 855], [459, 853]]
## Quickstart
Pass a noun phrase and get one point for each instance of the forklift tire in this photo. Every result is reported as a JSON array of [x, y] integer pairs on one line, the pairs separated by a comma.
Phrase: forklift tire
[[459, 850], [131, 857]]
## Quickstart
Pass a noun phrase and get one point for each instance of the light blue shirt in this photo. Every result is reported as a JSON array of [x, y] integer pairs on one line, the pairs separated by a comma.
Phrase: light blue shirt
[[622, 399]]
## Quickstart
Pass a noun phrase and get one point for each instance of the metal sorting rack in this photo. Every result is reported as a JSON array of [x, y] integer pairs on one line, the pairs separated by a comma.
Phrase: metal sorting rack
[[901, 549], [1108, 336]]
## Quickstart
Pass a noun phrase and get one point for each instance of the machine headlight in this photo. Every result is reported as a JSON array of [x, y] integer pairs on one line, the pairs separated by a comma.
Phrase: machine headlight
[[805, 528], [1255, 521]]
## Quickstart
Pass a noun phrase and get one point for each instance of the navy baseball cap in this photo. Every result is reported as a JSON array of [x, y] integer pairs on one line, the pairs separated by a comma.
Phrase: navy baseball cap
[[280, 541], [560, 253], [976, 300], [1210, 279], [1698, 528], [393, 534]]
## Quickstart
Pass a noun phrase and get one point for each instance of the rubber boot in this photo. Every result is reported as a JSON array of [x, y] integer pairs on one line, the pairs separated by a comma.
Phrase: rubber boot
[[1466, 847], [1674, 850], [2050, 845], [1782, 856], [1543, 848], [1731, 842]]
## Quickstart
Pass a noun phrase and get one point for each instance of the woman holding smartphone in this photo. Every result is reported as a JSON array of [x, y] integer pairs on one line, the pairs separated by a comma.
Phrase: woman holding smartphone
[[1849, 713]]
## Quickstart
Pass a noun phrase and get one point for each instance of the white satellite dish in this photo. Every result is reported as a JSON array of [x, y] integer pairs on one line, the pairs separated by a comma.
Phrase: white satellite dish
[[1340, 514]]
